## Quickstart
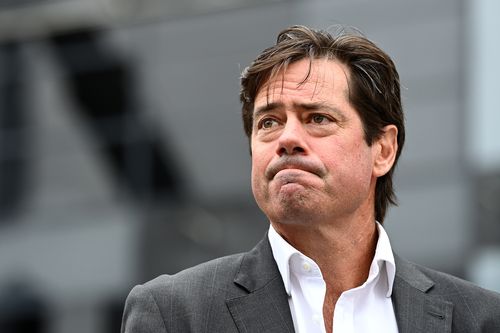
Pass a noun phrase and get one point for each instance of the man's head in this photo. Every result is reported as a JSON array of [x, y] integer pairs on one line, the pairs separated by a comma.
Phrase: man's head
[[373, 88]]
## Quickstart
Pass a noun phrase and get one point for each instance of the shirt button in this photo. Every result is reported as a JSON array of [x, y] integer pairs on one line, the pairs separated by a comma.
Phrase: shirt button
[[306, 267], [317, 319]]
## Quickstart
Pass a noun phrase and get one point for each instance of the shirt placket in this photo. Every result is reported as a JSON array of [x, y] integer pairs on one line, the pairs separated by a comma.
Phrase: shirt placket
[[313, 289], [343, 315]]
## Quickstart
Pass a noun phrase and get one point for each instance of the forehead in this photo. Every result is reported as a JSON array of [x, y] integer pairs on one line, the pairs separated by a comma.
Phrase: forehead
[[323, 80]]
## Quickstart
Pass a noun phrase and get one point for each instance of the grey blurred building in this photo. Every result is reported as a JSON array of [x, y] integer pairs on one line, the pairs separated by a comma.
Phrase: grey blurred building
[[123, 155]]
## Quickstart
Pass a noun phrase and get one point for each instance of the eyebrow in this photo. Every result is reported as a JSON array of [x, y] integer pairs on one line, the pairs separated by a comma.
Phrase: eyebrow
[[269, 107]]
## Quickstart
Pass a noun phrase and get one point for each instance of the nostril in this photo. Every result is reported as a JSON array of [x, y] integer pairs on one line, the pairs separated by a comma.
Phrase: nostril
[[282, 151], [290, 151]]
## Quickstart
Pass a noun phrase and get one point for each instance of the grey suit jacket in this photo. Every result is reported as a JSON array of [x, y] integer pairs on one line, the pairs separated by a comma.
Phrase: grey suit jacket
[[244, 293]]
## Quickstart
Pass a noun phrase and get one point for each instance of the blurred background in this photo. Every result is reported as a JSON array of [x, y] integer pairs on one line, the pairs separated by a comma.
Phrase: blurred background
[[122, 153]]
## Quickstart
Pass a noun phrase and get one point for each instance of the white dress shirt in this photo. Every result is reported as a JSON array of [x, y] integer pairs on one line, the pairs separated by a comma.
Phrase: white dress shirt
[[364, 309]]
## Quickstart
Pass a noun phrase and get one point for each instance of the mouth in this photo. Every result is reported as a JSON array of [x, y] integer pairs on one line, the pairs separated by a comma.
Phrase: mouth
[[293, 176], [294, 164]]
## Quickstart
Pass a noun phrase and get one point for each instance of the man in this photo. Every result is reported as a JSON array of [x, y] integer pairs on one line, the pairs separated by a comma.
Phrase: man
[[324, 118]]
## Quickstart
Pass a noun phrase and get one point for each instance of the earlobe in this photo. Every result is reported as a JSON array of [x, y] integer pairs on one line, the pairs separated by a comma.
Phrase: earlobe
[[386, 149]]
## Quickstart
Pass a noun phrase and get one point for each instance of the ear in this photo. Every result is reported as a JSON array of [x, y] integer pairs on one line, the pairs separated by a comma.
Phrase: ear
[[385, 149]]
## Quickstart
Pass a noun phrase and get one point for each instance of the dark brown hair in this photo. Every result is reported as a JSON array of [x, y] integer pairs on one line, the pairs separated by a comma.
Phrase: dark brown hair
[[374, 89]]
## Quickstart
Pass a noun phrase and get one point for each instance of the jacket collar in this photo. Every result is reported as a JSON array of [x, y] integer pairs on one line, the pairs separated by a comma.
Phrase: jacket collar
[[416, 309], [265, 306]]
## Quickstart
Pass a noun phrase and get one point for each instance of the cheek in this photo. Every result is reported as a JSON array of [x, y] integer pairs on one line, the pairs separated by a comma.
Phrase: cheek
[[363, 163], [261, 158], [260, 155], [349, 159], [258, 183], [258, 167]]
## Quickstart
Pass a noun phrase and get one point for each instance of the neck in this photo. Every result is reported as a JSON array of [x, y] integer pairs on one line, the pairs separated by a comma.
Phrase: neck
[[343, 251], [343, 248]]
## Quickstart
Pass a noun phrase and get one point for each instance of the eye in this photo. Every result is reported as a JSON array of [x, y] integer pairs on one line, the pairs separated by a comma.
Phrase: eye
[[267, 123], [319, 119]]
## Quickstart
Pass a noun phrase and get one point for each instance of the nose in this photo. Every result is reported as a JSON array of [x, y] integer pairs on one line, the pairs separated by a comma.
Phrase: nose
[[292, 139]]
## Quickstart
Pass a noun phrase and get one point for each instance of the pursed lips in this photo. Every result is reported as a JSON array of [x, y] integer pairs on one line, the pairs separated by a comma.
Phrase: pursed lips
[[288, 163]]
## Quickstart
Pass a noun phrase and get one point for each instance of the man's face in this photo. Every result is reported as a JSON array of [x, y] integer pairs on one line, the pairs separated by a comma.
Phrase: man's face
[[310, 162]]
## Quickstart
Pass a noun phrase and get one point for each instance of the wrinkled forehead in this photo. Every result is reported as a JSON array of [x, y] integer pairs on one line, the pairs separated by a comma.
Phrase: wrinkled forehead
[[305, 79]]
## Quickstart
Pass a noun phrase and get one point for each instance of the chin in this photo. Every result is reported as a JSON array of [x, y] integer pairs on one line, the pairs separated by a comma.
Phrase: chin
[[294, 212], [292, 204]]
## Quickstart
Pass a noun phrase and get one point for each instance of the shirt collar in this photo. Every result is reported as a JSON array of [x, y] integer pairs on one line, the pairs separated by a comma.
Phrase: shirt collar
[[383, 258], [383, 255], [282, 252]]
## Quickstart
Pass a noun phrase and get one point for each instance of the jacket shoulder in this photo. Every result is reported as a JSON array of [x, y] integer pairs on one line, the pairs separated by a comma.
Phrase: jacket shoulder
[[449, 285], [479, 307], [212, 275], [191, 300]]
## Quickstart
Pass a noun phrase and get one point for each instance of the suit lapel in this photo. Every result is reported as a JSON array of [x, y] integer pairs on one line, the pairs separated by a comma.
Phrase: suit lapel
[[265, 308], [415, 309]]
